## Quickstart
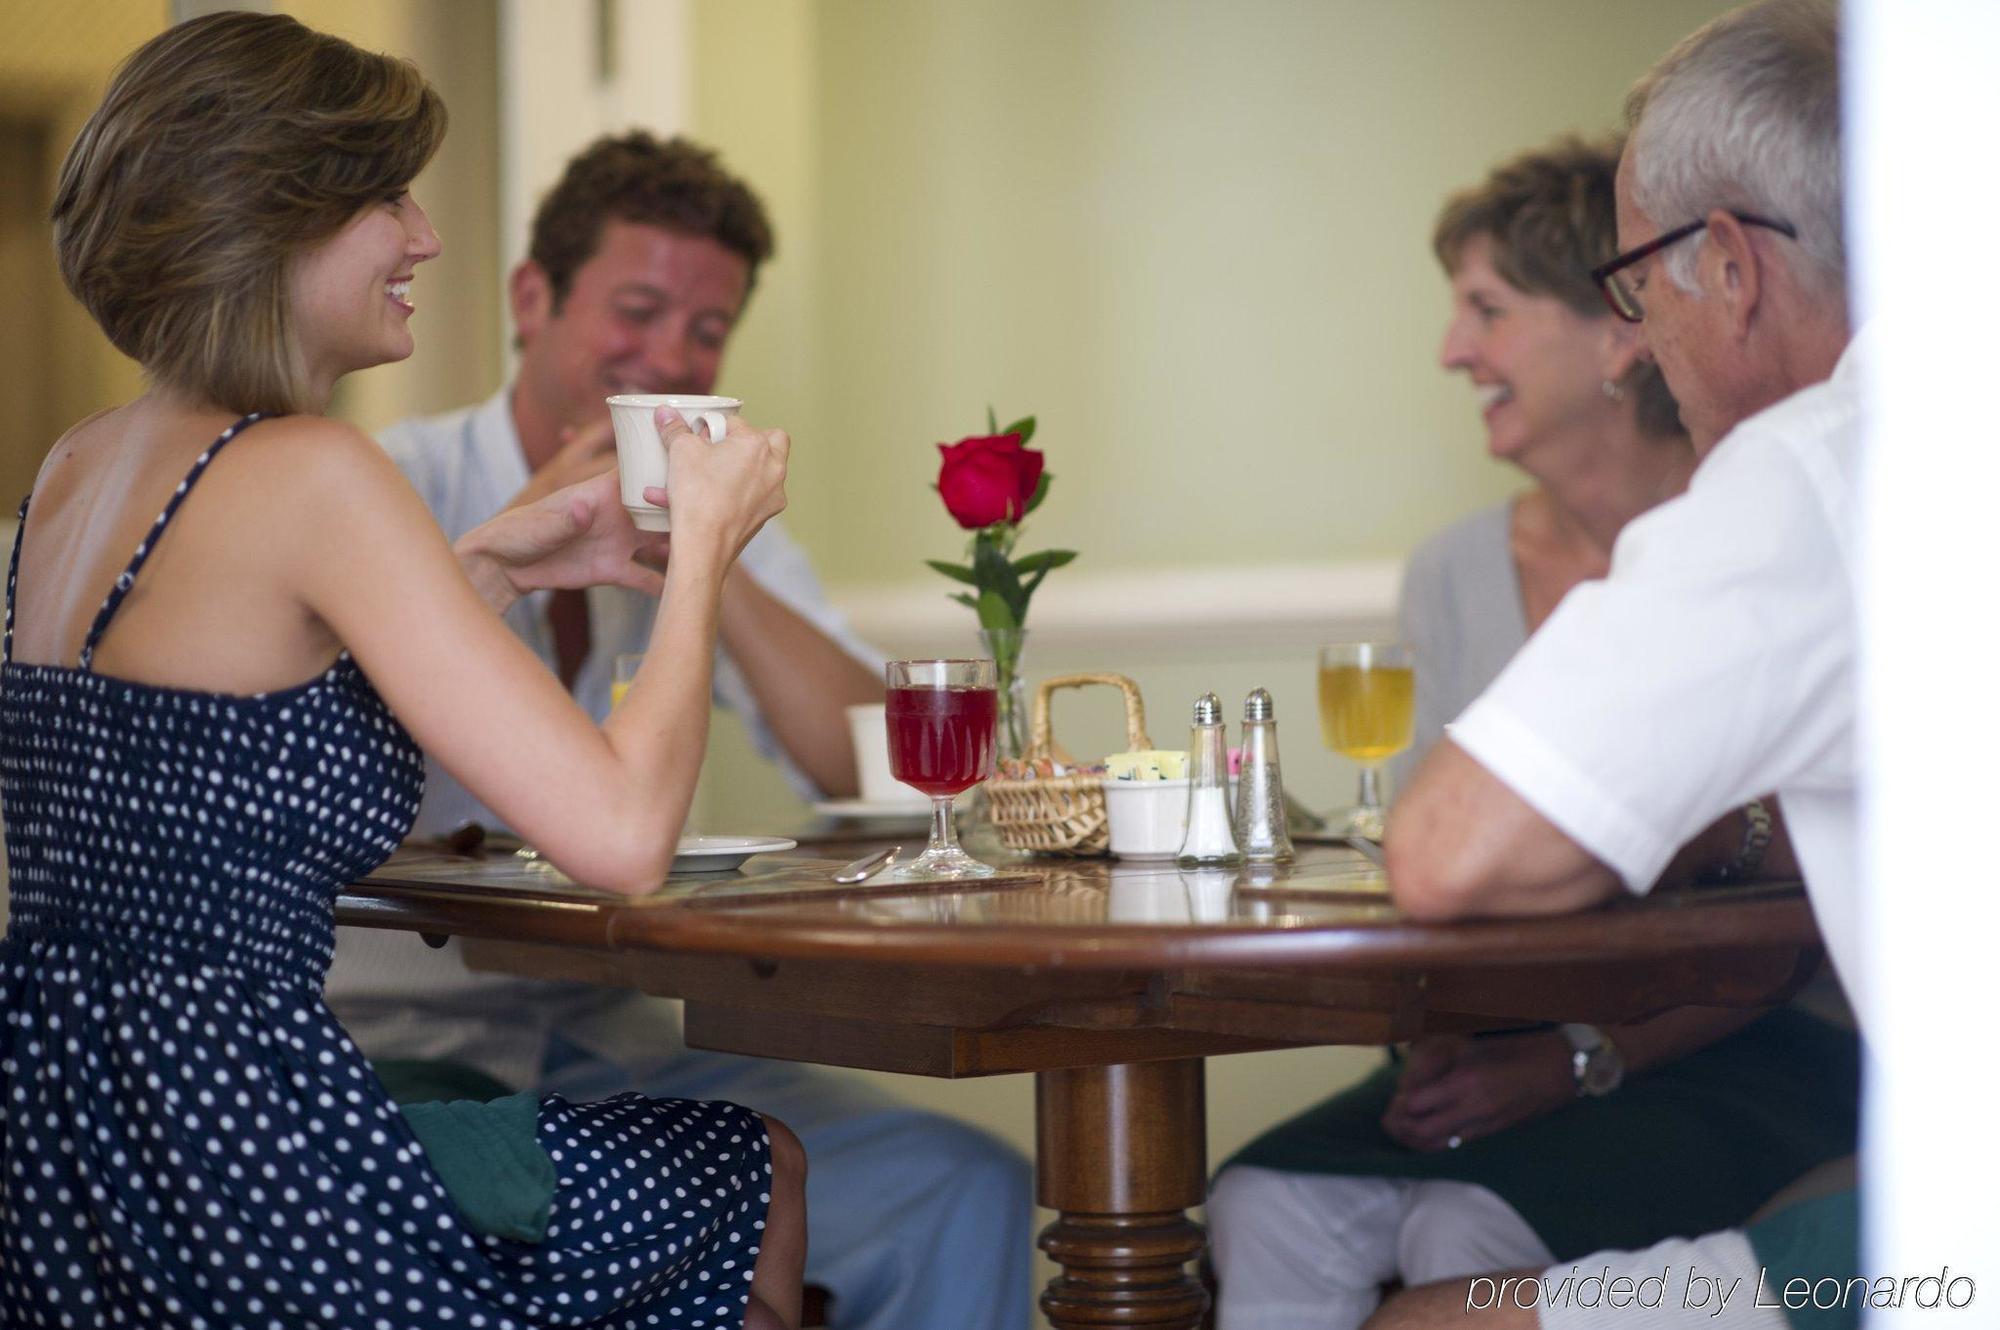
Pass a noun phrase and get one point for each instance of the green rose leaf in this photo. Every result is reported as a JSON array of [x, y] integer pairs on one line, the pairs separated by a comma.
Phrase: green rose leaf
[[1048, 559], [1025, 427], [1041, 492], [957, 572], [966, 601], [1042, 562]]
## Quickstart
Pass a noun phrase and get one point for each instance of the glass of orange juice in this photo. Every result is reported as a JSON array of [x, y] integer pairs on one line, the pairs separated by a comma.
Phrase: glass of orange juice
[[623, 671], [1367, 709]]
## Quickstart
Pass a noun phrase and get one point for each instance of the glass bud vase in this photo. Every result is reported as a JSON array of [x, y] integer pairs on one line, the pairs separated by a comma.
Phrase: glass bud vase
[[1004, 645]]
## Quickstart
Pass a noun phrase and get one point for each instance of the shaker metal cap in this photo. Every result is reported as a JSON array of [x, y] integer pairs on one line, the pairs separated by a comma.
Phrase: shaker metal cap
[[1208, 709], [1257, 706]]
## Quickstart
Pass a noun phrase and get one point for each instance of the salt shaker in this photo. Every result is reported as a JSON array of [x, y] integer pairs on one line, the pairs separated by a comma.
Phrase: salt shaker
[[1209, 841], [1261, 833]]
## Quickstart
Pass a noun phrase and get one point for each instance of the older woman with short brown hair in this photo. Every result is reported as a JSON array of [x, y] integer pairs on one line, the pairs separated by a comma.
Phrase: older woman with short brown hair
[[1530, 1147]]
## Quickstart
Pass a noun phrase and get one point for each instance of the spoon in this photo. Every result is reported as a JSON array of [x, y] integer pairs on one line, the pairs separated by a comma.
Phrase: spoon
[[867, 866]]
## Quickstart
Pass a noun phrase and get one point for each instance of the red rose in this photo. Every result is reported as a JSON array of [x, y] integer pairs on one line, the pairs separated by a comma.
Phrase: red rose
[[987, 479]]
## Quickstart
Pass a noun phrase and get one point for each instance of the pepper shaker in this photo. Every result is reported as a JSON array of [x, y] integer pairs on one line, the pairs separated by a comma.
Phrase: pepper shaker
[[1260, 830], [1210, 843]]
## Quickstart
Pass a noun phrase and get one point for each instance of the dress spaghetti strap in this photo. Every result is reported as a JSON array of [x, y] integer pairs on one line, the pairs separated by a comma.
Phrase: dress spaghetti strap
[[14, 571], [116, 597]]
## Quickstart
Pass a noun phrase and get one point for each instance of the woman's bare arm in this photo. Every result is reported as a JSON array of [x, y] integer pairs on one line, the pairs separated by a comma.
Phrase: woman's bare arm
[[605, 805]]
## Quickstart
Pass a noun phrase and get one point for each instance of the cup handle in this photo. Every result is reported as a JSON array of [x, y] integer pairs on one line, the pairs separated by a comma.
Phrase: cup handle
[[712, 422]]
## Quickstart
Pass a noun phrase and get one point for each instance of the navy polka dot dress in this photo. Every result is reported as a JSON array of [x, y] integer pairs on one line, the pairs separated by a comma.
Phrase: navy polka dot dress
[[187, 1137]]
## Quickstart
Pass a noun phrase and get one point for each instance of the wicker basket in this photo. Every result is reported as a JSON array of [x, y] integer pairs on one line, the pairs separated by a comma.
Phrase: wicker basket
[[1061, 814]]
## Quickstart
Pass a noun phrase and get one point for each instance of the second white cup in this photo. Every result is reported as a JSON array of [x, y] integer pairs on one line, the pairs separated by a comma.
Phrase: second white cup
[[642, 457], [868, 723]]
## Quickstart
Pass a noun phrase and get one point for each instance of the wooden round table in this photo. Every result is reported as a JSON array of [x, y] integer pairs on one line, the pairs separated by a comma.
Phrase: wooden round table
[[1109, 981]]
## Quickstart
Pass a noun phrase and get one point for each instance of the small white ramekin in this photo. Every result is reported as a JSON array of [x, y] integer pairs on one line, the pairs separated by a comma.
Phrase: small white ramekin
[[1148, 817]]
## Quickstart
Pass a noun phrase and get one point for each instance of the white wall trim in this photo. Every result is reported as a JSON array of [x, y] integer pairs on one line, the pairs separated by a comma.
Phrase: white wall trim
[[1179, 612]]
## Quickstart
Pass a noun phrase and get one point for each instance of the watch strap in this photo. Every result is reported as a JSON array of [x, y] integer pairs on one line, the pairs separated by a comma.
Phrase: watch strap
[[1750, 854]]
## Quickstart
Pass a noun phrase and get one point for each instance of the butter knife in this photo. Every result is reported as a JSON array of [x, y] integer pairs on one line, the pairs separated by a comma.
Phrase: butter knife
[[1370, 849], [867, 866]]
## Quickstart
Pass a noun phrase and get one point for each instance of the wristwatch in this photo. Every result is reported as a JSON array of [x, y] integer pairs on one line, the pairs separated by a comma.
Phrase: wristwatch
[[1594, 1061]]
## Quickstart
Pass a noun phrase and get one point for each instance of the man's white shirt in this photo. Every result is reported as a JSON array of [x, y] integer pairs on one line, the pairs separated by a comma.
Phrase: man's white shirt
[[1715, 663]]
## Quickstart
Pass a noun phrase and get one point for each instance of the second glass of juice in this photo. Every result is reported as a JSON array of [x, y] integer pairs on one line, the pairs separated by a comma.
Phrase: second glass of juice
[[941, 719], [1367, 709]]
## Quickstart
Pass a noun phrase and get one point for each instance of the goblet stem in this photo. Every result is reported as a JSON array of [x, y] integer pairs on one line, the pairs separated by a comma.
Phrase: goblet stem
[[1365, 818], [944, 835], [942, 859], [1370, 796]]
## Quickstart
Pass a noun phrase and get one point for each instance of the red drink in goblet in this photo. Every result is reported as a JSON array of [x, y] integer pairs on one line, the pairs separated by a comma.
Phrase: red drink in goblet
[[941, 739], [941, 717]]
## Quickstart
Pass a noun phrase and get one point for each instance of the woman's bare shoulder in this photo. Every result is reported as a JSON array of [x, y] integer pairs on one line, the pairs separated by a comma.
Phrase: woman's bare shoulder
[[315, 452], [293, 434], [282, 444], [300, 482]]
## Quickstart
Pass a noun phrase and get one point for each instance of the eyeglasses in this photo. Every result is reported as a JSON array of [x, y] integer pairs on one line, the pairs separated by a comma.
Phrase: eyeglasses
[[1621, 295]]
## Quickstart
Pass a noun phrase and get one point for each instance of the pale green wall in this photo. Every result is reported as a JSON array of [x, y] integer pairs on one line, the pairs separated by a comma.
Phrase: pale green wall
[[1192, 236]]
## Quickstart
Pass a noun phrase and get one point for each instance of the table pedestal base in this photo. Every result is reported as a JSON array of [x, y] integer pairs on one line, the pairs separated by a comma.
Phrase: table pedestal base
[[1121, 1153], [1124, 1270]]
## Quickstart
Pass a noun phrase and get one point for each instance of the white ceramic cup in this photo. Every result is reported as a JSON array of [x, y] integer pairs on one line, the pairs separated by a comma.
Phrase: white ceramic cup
[[642, 457], [868, 724]]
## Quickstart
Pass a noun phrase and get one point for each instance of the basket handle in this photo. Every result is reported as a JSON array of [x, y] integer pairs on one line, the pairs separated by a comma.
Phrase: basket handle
[[1042, 742]]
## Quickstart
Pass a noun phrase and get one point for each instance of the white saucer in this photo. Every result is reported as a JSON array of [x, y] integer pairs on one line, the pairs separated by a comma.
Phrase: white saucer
[[720, 854], [879, 809]]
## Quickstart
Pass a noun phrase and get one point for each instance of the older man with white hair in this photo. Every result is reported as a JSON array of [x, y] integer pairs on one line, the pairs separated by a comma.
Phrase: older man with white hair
[[1714, 667]]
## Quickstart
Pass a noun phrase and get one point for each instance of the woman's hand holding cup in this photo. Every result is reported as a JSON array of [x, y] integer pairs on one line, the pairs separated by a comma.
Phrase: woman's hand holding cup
[[724, 490]]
